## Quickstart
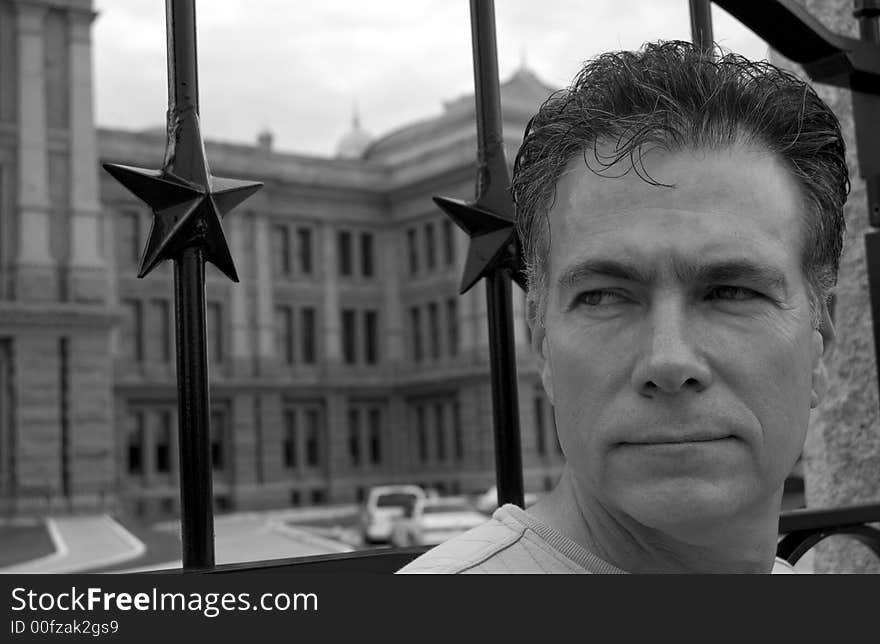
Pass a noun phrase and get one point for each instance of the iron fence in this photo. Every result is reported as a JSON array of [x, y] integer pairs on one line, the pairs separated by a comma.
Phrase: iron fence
[[189, 203]]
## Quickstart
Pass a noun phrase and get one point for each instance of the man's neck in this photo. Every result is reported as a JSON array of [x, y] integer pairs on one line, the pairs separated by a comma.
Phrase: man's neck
[[738, 545]]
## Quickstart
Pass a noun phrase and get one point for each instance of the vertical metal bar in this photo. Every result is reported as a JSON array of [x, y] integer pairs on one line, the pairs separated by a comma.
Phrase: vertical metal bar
[[492, 185], [865, 110], [194, 411], [701, 24], [188, 205], [505, 407], [193, 396], [183, 73]]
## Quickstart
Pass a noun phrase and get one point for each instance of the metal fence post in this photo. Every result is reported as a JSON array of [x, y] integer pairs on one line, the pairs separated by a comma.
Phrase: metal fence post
[[188, 205], [701, 25], [493, 252]]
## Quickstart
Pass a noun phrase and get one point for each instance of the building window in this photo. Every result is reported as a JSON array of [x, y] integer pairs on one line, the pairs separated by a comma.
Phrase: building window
[[540, 442], [375, 431], [289, 443], [349, 340], [448, 242], [343, 242], [281, 249], [133, 331], [430, 251], [354, 439], [313, 438], [163, 443], [218, 440], [304, 246], [434, 330], [415, 319], [440, 430], [452, 325], [135, 445], [371, 337], [215, 331], [161, 330], [284, 333], [367, 254], [457, 433], [421, 434], [129, 238], [308, 335], [412, 251]]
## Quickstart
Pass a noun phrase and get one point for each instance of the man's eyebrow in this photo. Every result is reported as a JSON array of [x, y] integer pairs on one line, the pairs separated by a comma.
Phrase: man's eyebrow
[[738, 270]]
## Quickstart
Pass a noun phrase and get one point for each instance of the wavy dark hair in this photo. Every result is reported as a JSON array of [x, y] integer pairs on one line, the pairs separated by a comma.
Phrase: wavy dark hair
[[670, 94]]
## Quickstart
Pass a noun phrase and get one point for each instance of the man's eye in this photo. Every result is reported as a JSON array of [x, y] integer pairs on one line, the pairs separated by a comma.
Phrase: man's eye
[[732, 293], [599, 298]]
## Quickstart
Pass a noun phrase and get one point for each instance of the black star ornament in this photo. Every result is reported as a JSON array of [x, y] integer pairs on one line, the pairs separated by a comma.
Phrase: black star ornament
[[185, 213], [494, 242]]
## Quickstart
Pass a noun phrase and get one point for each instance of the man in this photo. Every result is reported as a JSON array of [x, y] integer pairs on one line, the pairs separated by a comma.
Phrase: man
[[682, 221]]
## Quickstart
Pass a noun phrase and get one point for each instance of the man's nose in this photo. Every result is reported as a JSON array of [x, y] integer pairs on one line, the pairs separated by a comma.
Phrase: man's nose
[[670, 360]]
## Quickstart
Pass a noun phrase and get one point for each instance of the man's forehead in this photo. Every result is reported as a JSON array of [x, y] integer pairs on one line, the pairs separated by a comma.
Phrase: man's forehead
[[660, 175], [728, 202]]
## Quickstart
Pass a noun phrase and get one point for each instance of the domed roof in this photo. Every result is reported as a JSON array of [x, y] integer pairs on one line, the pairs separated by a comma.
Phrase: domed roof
[[353, 144]]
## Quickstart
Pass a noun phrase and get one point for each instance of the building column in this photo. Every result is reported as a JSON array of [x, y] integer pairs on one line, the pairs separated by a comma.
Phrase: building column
[[93, 463], [243, 453], [397, 449], [36, 276], [336, 472], [238, 303], [38, 411], [88, 269], [331, 324], [393, 317], [265, 296]]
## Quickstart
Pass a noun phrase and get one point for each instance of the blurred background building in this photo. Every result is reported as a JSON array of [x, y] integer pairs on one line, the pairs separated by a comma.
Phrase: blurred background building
[[345, 357]]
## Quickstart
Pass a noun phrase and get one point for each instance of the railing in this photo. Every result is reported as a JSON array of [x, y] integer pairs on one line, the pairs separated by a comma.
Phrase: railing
[[800, 531], [803, 529]]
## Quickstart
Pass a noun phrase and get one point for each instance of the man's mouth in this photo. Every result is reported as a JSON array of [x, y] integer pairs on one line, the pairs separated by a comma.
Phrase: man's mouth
[[679, 439]]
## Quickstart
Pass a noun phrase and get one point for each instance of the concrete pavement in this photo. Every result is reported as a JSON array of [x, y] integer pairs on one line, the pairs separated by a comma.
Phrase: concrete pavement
[[83, 543], [257, 536]]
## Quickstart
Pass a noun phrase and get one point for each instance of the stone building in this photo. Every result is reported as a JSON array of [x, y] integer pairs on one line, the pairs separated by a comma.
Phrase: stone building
[[344, 358]]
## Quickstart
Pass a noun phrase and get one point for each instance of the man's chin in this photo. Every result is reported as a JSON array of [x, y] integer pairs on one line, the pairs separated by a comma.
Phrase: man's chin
[[685, 508]]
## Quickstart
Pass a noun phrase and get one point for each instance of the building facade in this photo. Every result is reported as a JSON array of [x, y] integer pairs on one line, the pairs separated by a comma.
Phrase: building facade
[[344, 358]]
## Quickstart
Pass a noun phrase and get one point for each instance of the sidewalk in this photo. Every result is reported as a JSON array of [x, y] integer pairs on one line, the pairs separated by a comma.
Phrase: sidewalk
[[83, 543], [258, 536]]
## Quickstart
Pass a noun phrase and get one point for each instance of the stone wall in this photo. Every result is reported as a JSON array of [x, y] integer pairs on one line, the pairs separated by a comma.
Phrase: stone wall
[[842, 454]]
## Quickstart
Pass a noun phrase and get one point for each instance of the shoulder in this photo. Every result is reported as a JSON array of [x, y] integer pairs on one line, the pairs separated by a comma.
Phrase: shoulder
[[782, 567], [466, 551]]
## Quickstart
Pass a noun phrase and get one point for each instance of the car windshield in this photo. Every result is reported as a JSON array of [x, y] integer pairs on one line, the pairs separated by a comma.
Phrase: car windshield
[[443, 509], [395, 500]]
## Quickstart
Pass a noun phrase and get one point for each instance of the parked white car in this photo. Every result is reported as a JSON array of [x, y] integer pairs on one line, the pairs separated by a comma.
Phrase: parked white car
[[384, 504], [432, 521]]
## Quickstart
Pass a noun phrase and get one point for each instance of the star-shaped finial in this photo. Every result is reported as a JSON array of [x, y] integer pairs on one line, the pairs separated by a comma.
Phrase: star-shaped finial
[[494, 242], [184, 214]]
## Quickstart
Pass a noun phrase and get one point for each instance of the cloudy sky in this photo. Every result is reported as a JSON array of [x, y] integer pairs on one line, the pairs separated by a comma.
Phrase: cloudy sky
[[298, 68]]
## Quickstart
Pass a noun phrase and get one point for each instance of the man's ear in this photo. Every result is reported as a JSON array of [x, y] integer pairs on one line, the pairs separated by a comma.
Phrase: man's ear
[[823, 345], [541, 349]]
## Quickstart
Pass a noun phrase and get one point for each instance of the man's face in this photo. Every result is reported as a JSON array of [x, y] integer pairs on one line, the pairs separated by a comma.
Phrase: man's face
[[677, 346]]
